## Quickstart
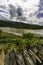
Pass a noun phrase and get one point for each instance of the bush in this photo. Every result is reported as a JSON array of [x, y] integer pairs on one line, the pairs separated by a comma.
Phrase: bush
[[28, 35]]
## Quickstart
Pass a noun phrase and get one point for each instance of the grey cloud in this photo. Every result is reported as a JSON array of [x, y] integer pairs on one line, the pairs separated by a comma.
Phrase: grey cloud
[[3, 18], [2, 6], [25, 0], [15, 12], [22, 18], [19, 11], [12, 10], [41, 23], [7, 0]]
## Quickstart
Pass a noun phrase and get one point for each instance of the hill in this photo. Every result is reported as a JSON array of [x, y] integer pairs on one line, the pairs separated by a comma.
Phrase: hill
[[19, 25]]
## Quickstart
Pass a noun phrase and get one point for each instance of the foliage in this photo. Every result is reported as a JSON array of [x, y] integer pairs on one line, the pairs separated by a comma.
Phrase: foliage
[[28, 35], [9, 41]]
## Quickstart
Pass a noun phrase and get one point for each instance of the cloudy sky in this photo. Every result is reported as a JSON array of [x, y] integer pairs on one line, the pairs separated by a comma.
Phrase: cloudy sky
[[27, 11]]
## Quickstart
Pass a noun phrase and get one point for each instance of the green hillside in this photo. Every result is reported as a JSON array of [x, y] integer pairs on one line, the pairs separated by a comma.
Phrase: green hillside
[[19, 25]]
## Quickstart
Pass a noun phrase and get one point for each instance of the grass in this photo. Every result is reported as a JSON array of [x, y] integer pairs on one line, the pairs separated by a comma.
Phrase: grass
[[10, 41]]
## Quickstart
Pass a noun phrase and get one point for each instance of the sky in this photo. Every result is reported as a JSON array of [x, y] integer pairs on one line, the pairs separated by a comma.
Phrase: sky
[[26, 11]]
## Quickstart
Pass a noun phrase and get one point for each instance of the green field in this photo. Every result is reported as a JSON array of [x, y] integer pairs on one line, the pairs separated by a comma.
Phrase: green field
[[10, 41]]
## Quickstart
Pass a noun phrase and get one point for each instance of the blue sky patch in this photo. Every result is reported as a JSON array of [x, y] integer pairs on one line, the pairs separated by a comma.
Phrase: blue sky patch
[[3, 11]]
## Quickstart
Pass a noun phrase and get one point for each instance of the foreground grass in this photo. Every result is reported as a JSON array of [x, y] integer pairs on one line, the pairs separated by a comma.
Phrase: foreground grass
[[10, 41]]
